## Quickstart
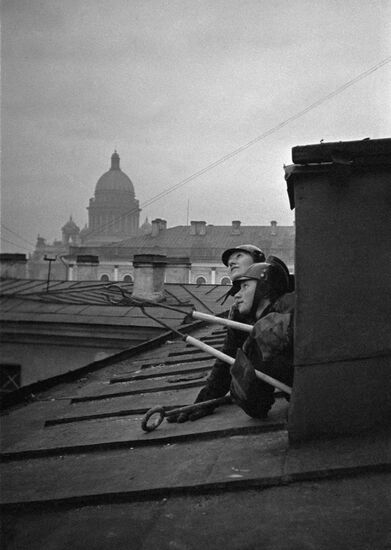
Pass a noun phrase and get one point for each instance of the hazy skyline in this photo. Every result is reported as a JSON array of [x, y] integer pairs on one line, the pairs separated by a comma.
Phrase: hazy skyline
[[174, 86]]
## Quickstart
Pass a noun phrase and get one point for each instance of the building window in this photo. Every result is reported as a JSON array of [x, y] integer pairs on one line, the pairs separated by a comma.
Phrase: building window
[[225, 281], [105, 278], [128, 279], [9, 378], [200, 280]]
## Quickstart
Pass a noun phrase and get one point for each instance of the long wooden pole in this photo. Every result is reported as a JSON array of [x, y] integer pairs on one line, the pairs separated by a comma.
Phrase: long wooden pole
[[222, 321], [230, 360]]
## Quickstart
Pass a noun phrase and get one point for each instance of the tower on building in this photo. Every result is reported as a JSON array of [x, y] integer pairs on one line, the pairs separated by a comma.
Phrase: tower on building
[[70, 232]]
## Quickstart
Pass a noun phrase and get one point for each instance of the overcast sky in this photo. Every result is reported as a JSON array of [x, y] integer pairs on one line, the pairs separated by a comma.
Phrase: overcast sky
[[174, 85]]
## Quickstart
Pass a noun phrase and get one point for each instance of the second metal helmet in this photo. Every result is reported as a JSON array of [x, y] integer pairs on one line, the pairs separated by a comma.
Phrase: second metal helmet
[[256, 253], [276, 260], [273, 276]]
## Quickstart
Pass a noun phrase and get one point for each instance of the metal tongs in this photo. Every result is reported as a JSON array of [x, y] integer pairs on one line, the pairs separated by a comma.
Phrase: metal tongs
[[213, 352]]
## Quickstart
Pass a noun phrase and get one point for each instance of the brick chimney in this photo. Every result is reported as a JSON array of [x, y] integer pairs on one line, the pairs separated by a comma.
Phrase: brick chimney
[[158, 225], [197, 228], [235, 227], [13, 266], [87, 268], [149, 271], [162, 224], [155, 227]]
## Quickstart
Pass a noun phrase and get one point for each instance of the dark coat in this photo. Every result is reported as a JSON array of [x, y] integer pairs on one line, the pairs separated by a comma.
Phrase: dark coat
[[219, 380]]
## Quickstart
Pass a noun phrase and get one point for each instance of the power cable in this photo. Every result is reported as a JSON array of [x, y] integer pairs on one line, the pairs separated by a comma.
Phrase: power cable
[[17, 245], [242, 148], [17, 235]]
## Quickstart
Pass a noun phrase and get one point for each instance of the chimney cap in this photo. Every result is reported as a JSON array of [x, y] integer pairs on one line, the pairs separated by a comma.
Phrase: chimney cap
[[235, 228]]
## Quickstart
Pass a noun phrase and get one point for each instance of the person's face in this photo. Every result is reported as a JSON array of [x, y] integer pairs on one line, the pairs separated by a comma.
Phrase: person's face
[[238, 263], [245, 297]]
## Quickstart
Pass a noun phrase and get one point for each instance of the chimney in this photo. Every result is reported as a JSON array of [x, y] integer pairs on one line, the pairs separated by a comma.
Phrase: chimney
[[274, 227], [13, 266], [197, 228], [235, 227], [149, 271], [162, 224], [156, 225], [87, 268]]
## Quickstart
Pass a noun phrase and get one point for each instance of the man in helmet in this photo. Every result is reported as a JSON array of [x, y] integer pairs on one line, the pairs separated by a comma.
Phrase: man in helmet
[[237, 259], [263, 298], [272, 295]]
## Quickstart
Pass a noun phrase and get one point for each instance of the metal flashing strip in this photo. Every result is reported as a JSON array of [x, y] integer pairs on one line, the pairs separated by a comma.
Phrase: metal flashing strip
[[258, 428], [176, 362], [116, 414], [148, 375], [187, 353], [234, 463], [87, 411], [211, 488], [136, 392], [110, 407]]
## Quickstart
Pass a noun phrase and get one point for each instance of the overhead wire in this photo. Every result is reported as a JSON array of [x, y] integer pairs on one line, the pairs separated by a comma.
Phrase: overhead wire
[[224, 158], [11, 242], [242, 148], [17, 235]]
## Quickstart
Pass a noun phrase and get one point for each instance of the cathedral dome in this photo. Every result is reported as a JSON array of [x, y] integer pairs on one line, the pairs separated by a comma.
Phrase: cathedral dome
[[114, 179]]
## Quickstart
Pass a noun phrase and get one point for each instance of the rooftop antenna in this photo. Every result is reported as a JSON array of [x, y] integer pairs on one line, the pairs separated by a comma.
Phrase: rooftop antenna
[[50, 260], [188, 208]]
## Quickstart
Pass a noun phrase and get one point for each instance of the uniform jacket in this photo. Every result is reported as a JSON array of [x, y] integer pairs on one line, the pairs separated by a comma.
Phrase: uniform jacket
[[219, 380]]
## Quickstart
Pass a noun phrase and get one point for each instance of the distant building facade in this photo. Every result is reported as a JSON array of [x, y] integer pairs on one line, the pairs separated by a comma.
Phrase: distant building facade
[[113, 237], [193, 252]]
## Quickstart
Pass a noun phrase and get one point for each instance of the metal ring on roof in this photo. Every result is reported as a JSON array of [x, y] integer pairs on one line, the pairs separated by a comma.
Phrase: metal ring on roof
[[155, 410]]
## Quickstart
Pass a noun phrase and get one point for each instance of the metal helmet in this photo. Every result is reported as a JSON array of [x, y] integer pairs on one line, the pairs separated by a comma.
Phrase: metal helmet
[[273, 278], [275, 260], [256, 253]]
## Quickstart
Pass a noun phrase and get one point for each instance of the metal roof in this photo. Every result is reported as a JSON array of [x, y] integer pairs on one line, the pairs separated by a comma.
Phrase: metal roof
[[77, 453], [91, 302]]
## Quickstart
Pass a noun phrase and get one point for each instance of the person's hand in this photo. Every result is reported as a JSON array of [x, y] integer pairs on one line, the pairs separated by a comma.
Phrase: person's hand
[[195, 415], [252, 395]]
